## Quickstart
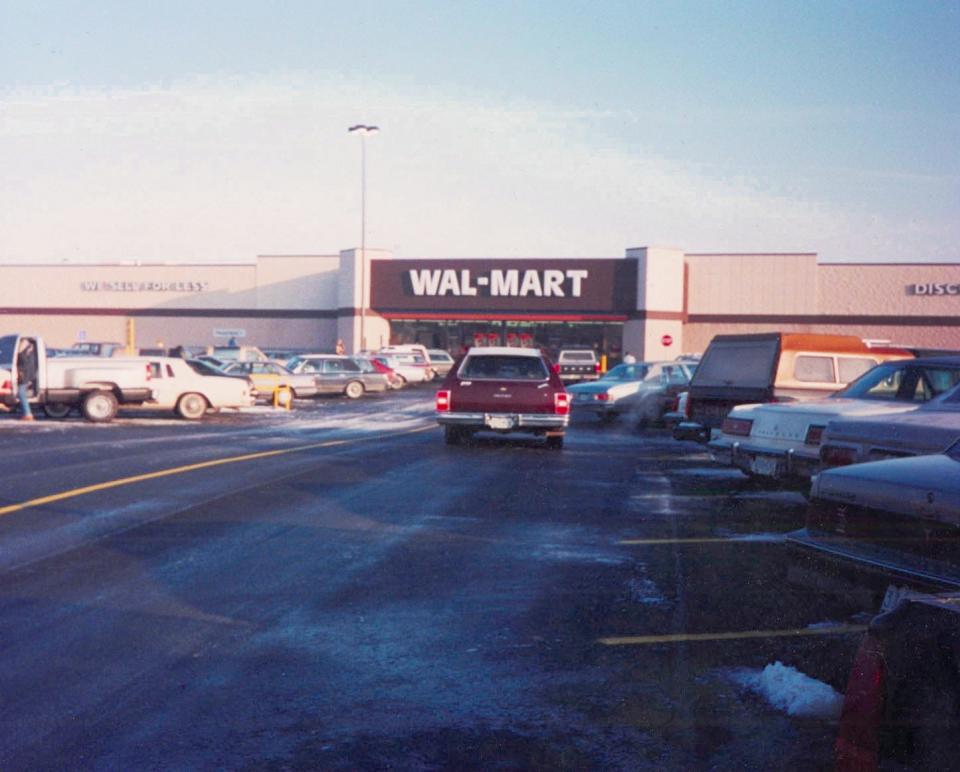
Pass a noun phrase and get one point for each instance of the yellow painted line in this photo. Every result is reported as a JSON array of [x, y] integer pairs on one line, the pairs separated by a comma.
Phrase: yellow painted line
[[40, 501], [646, 640], [699, 540]]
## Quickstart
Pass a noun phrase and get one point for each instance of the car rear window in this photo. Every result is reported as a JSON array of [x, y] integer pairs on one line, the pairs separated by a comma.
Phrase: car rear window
[[747, 363], [578, 356], [503, 368]]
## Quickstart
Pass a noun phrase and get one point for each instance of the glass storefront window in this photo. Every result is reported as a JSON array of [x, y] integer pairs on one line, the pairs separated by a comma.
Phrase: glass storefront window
[[457, 335]]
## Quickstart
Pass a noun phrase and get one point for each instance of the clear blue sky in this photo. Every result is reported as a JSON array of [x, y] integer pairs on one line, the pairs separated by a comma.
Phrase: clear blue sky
[[828, 127]]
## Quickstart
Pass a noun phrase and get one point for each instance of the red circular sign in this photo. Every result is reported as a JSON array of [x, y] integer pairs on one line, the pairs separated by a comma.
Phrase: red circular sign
[[667, 340]]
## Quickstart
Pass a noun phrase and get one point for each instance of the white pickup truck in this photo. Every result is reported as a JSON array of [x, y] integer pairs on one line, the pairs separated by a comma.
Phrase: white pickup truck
[[94, 385]]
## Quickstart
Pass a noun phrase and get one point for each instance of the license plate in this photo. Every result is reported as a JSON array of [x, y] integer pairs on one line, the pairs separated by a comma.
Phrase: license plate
[[582, 398], [769, 467], [501, 421]]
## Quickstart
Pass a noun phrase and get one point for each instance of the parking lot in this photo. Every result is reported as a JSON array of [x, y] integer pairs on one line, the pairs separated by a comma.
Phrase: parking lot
[[333, 587]]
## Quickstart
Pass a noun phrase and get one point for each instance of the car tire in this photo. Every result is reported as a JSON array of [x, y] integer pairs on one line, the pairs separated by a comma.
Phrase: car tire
[[192, 406], [57, 410], [454, 435], [555, 442], [354, 390], [100, 407]]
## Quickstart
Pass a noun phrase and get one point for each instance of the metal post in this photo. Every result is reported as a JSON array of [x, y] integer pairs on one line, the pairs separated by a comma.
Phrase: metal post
[[363, 131]]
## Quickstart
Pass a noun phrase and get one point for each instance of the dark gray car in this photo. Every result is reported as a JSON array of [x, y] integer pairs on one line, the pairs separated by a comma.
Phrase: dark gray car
[[338, 375]]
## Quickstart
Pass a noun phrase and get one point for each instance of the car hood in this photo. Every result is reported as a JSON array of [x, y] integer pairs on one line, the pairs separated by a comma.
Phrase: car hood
[[924, 486], [791, 420]]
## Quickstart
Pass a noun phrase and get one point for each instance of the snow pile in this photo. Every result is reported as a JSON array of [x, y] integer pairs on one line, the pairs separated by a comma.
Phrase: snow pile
[[760, 537], [793, 692]]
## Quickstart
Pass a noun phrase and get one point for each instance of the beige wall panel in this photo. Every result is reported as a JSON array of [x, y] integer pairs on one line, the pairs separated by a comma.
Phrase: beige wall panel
[[885, 290], [297, 281], [63, 286], [279, 333], [752, 284], [64, 331], [697, 336], [659, 278]]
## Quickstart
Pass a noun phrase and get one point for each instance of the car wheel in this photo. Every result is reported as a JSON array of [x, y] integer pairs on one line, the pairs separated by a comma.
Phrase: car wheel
[[99, 406], [454, 435], [57, 409], [191, 406], [354, 390], [555, 442]]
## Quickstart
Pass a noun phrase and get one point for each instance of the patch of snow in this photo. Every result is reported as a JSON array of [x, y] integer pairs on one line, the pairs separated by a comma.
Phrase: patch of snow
[[557, 552], [791, 691], [823, 625], [764, 537], [720, 473], [782, 497], [645, 591]]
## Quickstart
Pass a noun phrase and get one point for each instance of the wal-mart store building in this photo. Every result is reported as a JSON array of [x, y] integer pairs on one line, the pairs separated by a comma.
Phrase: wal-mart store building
[[652, 302]]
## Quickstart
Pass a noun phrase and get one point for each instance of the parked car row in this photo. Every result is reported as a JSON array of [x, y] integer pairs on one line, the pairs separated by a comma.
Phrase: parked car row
[[98, 379], [879, 459]]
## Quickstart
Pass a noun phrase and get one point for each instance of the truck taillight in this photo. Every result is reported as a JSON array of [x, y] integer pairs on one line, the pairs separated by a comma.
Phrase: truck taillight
[[814, 435], [596, 367], [443, 401], [149, 372], [6, 386], [561, 403]]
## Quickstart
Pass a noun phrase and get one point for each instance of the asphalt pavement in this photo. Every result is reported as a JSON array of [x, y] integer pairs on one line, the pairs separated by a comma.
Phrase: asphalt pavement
[[334, 588]]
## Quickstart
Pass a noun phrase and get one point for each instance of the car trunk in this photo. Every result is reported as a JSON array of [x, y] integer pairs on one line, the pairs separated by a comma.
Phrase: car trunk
[[483, 396], [919, 432], [793, 423]]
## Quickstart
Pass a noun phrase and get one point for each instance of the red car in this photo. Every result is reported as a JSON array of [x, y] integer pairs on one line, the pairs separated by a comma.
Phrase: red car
[[903, 696], [503, 390]]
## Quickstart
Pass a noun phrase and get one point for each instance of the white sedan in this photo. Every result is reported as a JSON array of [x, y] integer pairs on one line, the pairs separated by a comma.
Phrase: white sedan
[[782, 440], [190, 392]]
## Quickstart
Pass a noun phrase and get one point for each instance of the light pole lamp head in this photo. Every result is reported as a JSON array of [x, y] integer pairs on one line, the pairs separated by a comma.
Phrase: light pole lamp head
[[362, 129]]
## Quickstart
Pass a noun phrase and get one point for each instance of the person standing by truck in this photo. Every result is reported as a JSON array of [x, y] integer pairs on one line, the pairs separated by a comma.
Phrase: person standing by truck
[[26, 377]]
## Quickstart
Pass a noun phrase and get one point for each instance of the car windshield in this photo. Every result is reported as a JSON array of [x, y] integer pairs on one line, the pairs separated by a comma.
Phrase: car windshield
[[627, 373], [503, 367], [903, 382]]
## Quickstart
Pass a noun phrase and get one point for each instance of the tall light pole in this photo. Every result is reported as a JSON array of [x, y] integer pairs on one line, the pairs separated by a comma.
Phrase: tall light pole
[[363, 131]]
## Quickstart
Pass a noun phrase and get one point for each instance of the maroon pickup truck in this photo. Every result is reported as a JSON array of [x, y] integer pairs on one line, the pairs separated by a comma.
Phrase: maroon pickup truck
[[502, 389]]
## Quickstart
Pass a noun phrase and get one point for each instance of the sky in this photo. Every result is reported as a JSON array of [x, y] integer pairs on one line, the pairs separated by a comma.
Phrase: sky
[[216, 131]]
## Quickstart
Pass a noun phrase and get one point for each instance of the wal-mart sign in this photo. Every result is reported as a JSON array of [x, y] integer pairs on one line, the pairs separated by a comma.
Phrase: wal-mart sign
[[550, 283]]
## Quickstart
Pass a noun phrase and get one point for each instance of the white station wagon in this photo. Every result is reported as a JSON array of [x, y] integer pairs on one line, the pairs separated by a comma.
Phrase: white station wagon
[[782, 440]]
